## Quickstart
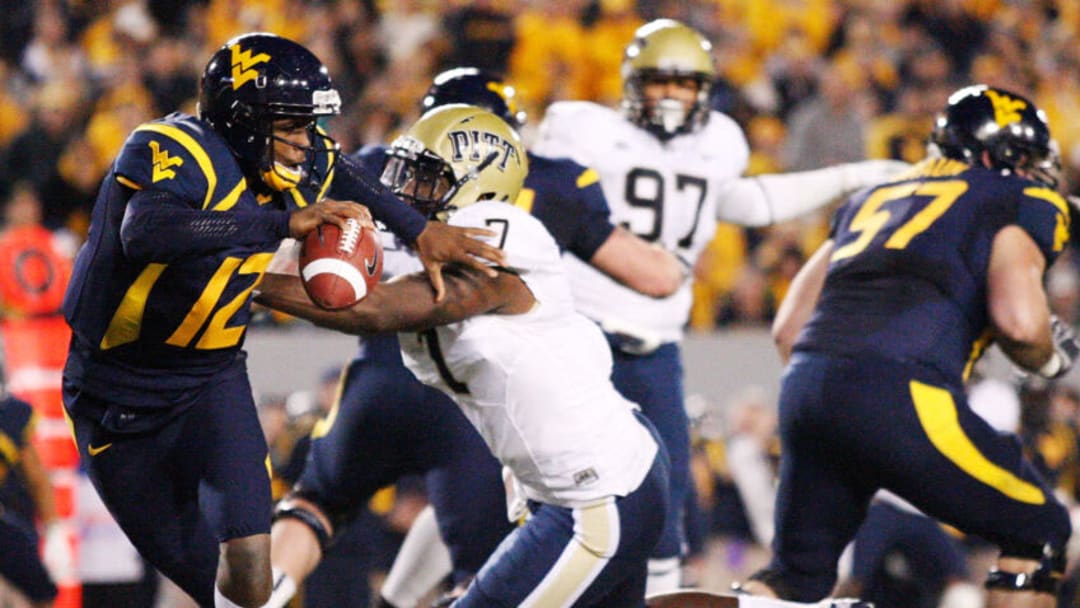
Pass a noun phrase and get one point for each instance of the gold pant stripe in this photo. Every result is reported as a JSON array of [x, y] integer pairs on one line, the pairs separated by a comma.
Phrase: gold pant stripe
[[596, 537], [937, 414]]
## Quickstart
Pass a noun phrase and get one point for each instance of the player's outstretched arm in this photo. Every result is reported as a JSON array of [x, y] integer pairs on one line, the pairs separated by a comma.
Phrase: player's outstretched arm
[[435, 242], [642, 266], [776, 197], [405, 303], [800, 301], [440, 244]]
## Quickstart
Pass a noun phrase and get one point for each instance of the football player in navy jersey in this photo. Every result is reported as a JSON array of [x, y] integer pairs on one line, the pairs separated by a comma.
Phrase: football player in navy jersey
[[25, 493], [388, 424], [881, 329], [183, 229]]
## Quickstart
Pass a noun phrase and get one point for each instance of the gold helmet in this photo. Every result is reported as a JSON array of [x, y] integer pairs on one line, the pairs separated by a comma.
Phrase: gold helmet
[[661, 49], [453, 156]]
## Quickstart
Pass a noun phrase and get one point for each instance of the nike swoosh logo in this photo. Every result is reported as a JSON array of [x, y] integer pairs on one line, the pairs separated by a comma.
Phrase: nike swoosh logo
[[372, 264], [95, 451]]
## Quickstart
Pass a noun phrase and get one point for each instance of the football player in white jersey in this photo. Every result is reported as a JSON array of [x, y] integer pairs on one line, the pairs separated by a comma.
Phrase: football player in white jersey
[[527, 370], [670, 168]]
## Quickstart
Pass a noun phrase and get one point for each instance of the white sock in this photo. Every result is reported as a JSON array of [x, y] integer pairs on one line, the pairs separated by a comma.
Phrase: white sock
[[284, 589], [664, 575], [962, 595], [422, 561], [220, 601]]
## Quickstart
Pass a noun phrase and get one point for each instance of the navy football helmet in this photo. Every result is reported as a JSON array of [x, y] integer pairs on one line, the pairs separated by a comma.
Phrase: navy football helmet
[[255, 79], [1009, 127], [475, 87]]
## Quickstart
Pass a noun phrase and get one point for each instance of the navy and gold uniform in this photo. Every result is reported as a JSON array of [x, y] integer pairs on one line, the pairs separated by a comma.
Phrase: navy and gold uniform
[[874, 393], [19, 560], [170, 286], [184, 226], [158, 306]]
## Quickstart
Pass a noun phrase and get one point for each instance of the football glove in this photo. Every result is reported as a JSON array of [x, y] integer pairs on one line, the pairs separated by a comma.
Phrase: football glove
[[1066, 349]]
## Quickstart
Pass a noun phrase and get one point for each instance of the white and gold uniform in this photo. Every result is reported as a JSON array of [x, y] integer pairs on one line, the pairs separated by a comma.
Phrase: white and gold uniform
[[537, 387]]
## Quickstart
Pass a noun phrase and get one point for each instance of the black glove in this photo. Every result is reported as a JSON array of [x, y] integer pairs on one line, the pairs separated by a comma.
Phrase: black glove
[[1066, 349]]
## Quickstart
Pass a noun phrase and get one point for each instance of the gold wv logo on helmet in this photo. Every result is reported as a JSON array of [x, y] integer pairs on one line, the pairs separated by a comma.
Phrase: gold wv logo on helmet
[[1006, 109], [243, 64]]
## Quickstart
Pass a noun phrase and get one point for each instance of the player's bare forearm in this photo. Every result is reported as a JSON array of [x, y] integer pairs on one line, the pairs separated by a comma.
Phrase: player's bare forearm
[[403, 304], [37, 481], [1016, 301], [801, 299], [638, 264]]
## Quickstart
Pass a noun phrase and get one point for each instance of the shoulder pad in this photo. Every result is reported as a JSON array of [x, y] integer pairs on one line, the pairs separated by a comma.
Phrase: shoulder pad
[[570, 124], [1044, 214], [560, 174], [521, 236], [180, 155]]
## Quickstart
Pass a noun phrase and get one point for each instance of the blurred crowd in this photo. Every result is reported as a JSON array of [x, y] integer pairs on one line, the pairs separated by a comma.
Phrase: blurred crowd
[[812, 82]]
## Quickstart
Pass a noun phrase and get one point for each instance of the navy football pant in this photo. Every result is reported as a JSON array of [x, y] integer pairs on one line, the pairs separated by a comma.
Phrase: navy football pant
[[849, 426], [655, 382], [193, 480], [932, 558], [20, 563], [596, 555], [388, 424]]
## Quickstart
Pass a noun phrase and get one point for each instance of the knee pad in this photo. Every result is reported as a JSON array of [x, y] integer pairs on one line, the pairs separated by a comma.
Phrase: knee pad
[[287, 508], [1045, 579]]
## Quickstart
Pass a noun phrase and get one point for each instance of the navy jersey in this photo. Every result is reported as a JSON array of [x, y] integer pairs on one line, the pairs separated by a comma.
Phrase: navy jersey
[[160, 303], [565, 196], [16, 428], [907, 277]]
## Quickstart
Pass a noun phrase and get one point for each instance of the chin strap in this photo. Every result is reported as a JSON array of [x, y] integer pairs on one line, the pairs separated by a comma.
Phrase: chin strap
[[282, 178]]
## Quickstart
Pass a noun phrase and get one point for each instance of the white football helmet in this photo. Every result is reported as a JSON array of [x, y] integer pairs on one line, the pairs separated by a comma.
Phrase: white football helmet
[[454, 156], [666, 48]]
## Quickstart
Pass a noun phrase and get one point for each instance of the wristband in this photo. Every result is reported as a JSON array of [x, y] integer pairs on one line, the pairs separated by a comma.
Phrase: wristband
[[1052, 368]]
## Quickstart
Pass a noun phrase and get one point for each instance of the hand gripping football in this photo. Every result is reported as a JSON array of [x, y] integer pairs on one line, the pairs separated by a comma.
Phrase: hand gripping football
[[339, 267]]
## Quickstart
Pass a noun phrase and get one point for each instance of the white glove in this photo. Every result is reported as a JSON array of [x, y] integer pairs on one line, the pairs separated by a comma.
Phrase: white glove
[[1065, 349], [287, 258], [871, 172], [58, 552]]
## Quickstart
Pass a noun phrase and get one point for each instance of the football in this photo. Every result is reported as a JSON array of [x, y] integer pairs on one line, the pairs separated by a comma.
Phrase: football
[[687, 598], [339, 267]]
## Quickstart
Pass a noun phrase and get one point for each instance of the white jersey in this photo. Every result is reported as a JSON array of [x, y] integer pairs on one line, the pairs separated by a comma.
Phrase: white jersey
[[665, 192], [536, 385]]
